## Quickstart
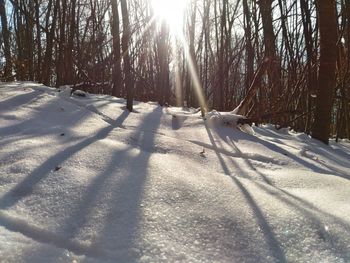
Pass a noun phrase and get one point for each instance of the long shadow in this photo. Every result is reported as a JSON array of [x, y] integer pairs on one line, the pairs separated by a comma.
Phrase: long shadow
[[27, 134], [313, 167], [297, 199], [250, 165], [277, 149], [37, 122], [343, 149], [268, 181], [18, 100], [310, 211], [123, 195], [305, 208], [26, 187], [332, 155], [122, 222], [273, 243], [317, 147], [270, 238], [217, 152], [47, 237], [271, 133], [94, 189]]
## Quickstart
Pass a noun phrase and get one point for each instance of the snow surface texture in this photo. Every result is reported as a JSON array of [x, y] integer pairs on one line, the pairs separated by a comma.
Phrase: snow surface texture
[[83, 180], [216, 119]]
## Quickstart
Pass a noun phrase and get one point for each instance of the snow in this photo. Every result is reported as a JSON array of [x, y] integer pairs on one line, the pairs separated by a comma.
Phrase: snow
[[83, 180]]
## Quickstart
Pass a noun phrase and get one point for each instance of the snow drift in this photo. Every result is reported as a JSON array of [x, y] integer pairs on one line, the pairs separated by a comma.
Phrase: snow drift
[[83, 180]]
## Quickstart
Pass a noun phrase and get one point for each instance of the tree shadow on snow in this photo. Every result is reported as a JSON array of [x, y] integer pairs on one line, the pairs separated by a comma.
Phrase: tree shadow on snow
[[323, 168], [115, 195], [271, 241], [121, 230], [27, 185], [19, 100], [312, 145], [315, 215]]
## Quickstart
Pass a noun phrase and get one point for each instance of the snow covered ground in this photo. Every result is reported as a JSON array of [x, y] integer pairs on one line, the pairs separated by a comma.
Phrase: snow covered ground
[[83, 180]]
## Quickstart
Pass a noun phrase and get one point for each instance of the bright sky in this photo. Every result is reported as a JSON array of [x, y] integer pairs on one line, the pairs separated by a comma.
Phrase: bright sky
[[172, 11]]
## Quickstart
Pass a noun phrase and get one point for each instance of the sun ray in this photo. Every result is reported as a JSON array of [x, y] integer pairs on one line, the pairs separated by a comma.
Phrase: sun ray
[[173, 13], [198, 88]]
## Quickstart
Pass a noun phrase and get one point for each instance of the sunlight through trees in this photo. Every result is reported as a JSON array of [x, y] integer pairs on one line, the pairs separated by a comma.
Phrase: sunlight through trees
[[197, 53]]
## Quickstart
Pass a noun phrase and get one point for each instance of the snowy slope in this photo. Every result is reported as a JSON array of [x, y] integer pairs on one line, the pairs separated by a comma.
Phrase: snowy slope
[[83, 180]]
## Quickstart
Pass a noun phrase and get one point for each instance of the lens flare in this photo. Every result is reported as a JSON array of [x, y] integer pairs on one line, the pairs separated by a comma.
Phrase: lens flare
[[172, 12]]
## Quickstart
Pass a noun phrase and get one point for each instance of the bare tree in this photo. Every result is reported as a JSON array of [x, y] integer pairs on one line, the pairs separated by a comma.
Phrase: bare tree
[[117, 73], [6, 37], [327, 75], [50, 34], [262, 56], [129, 84], [270, 50]]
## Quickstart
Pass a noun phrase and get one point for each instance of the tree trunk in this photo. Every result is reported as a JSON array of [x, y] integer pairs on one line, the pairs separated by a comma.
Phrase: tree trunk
[[248, 45], [326, 76], [60, 68], [30, 41], [38, 39], [117, 74], [129, 85], [6, 37], [218, 95], [46, 75], [311, 57], [163, 88], [70, 72], [273, 70]]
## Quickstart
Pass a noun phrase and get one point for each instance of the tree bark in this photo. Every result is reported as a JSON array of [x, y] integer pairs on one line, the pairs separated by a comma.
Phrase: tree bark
[[311, 60], [248, 45], [273, 70], [60, 68], [70, 72], [6, 37], [38, 39], [163, 88], [326, 76], [46, 75], [117, 74], [129, 85], [218, 95]]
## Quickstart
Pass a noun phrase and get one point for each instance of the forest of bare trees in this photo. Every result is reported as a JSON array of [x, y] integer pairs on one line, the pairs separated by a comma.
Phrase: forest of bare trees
[[288, 60]]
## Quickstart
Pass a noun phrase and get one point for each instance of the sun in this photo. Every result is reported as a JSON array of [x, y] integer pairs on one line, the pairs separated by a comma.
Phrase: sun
[[172, 12]]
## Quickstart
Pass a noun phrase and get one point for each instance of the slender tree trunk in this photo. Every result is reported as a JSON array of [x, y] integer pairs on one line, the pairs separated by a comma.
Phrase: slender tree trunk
[[163, 87], [30, 41], [46, 76], [18, 26], [70, 72], [270, 50], [218, 98], [248, 46], [61, 45], [6, 37], [192, 65], [326, 76], [311, 57], [117, 74], [129, 84], [38, 39]]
